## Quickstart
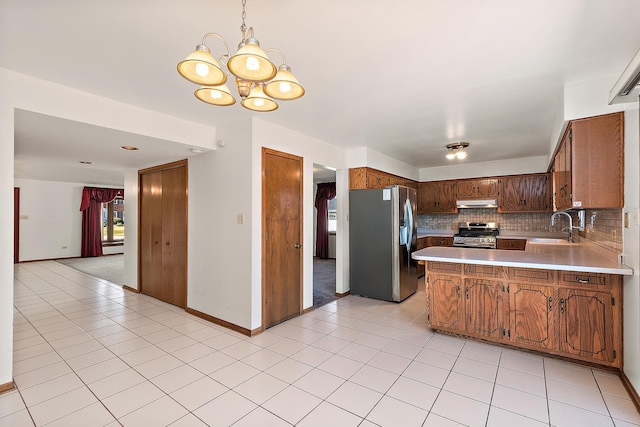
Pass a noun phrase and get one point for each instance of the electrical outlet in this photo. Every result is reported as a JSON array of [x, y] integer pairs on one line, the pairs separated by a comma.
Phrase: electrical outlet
[[614, 233], [24, 217], [626, 220], [64, 247], [240, 219]]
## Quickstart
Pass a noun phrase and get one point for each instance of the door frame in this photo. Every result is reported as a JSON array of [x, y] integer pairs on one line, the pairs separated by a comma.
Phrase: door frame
[[16, 225], [300, 160], [173, 165]]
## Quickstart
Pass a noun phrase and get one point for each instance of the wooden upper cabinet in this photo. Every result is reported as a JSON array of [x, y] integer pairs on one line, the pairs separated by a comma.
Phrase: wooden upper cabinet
[[481, 188], [597, 165], [368, 178], [525, 193], [437, 197]]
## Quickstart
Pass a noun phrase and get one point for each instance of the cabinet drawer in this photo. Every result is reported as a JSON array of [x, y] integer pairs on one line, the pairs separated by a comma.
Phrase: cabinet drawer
[[440, 241], [488, 271], [511, 244], [586, 280], [530, 275], [444, 267]]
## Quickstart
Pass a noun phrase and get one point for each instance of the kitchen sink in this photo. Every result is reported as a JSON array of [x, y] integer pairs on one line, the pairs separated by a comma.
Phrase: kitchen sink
[[550, 241]]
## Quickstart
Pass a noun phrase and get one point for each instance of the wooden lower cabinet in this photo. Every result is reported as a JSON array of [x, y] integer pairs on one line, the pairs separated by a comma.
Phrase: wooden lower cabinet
[[556, 312], [485, 308], [532, 319], [447, 308]]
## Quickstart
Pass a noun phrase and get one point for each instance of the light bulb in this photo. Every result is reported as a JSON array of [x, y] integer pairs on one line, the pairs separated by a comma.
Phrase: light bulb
[[216, 94], [258, 102], [461, 154], [451, 155], [285, 87], [202, 69], [252, 64]]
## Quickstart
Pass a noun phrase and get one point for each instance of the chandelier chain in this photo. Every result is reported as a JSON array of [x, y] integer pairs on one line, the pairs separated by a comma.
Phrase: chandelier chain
[[243, 27]]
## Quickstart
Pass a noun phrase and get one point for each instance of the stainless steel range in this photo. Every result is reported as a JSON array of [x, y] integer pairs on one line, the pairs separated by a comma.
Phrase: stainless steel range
[[476, 235]]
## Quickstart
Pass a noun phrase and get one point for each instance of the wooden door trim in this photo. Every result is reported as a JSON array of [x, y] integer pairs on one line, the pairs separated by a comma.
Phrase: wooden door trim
[[265, 152], [16, 225], [173, 165]]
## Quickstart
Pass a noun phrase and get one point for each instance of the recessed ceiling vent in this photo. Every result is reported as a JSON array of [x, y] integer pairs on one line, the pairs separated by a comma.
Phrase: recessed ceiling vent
[[627, 88]]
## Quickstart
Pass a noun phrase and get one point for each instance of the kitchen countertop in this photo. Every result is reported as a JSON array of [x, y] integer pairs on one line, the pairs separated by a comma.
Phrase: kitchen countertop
[[573, 257]]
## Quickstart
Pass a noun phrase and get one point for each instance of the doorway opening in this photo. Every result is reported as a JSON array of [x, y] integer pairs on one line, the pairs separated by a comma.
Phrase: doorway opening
[[324, 235]]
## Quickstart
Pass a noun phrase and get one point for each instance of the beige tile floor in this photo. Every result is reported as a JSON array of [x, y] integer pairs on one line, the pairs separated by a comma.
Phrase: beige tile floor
[[87, 353]]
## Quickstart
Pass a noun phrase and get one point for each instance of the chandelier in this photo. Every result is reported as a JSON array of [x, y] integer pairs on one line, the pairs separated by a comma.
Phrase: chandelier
[[457, 150], [258, 80]]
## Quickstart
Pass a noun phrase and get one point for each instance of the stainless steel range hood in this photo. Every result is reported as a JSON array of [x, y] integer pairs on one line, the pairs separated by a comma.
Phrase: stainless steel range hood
[[477, 203]]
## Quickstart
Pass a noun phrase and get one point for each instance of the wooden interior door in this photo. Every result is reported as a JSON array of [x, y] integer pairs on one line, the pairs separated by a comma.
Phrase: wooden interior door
[[163, 233], [282, 238], [174, 245], [151, 234], [16, 225]]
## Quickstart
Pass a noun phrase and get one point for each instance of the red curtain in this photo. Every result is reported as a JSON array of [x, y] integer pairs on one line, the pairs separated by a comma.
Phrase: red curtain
[[326, 192], [92, 218]]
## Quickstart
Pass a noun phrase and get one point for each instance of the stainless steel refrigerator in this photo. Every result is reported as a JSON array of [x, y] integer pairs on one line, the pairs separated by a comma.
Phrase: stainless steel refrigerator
[[382, 234]]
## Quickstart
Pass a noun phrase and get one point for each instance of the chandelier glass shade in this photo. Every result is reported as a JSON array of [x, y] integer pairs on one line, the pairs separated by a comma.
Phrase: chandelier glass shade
[[258, 80], [457, 150]]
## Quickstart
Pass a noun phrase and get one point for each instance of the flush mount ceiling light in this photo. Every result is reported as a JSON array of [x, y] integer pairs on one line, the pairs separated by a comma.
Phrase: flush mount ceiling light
[[85, 162], [457, 150], [257, 78], [129, 148]]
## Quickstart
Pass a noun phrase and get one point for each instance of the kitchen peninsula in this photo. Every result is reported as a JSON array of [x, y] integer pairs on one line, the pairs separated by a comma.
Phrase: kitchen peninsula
[[559, 298]]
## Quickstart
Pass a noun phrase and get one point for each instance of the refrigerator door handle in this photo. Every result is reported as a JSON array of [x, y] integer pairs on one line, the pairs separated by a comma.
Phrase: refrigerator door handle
[[408, 215]]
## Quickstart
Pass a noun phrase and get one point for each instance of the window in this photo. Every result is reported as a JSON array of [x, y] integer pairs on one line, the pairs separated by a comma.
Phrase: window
[[113, 221], [332, 215]]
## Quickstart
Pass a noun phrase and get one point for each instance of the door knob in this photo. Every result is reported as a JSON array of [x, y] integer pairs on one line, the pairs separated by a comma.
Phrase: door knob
[[297, 246]]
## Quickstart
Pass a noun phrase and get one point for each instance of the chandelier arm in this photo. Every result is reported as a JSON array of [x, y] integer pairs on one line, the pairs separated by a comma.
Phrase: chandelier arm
[[284, 59], [204, 38]]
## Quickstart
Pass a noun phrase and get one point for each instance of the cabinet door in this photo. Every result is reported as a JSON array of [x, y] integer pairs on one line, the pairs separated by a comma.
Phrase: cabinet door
[[532, 316], [440, 241], [431, 197], [466, 189], [445, 303], [422, 198], [447, 202], [485, 308], [487, 188], [510, 199], [586, 325], [597, 162]]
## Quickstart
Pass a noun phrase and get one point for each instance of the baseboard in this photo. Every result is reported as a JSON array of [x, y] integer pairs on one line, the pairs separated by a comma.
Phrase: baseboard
[[228, 325], [306, 310], [130, 289], [343, 295], [6, 387], [631, 390]]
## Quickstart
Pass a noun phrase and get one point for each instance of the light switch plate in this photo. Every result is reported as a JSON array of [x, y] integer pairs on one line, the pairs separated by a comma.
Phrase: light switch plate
[[240, 219]]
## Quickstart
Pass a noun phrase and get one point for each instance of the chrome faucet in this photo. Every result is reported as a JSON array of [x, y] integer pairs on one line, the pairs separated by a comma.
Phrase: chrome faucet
[[569, 229]]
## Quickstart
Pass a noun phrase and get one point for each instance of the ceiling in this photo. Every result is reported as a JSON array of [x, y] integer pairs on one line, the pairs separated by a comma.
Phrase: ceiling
[[404, 78]]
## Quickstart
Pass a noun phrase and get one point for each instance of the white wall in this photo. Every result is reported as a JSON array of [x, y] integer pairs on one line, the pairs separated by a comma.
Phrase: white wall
[[131, 245], [6, 244], [220, 257], [496, 168], [54, 227], [312, 151], [631, 245]]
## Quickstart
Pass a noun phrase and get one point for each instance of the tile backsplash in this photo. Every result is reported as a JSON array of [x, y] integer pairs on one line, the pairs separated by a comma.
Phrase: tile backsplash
[[603, 226]]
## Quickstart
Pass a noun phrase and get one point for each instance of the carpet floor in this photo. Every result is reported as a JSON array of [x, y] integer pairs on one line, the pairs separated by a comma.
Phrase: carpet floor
[[107, 267], [324, 281]]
